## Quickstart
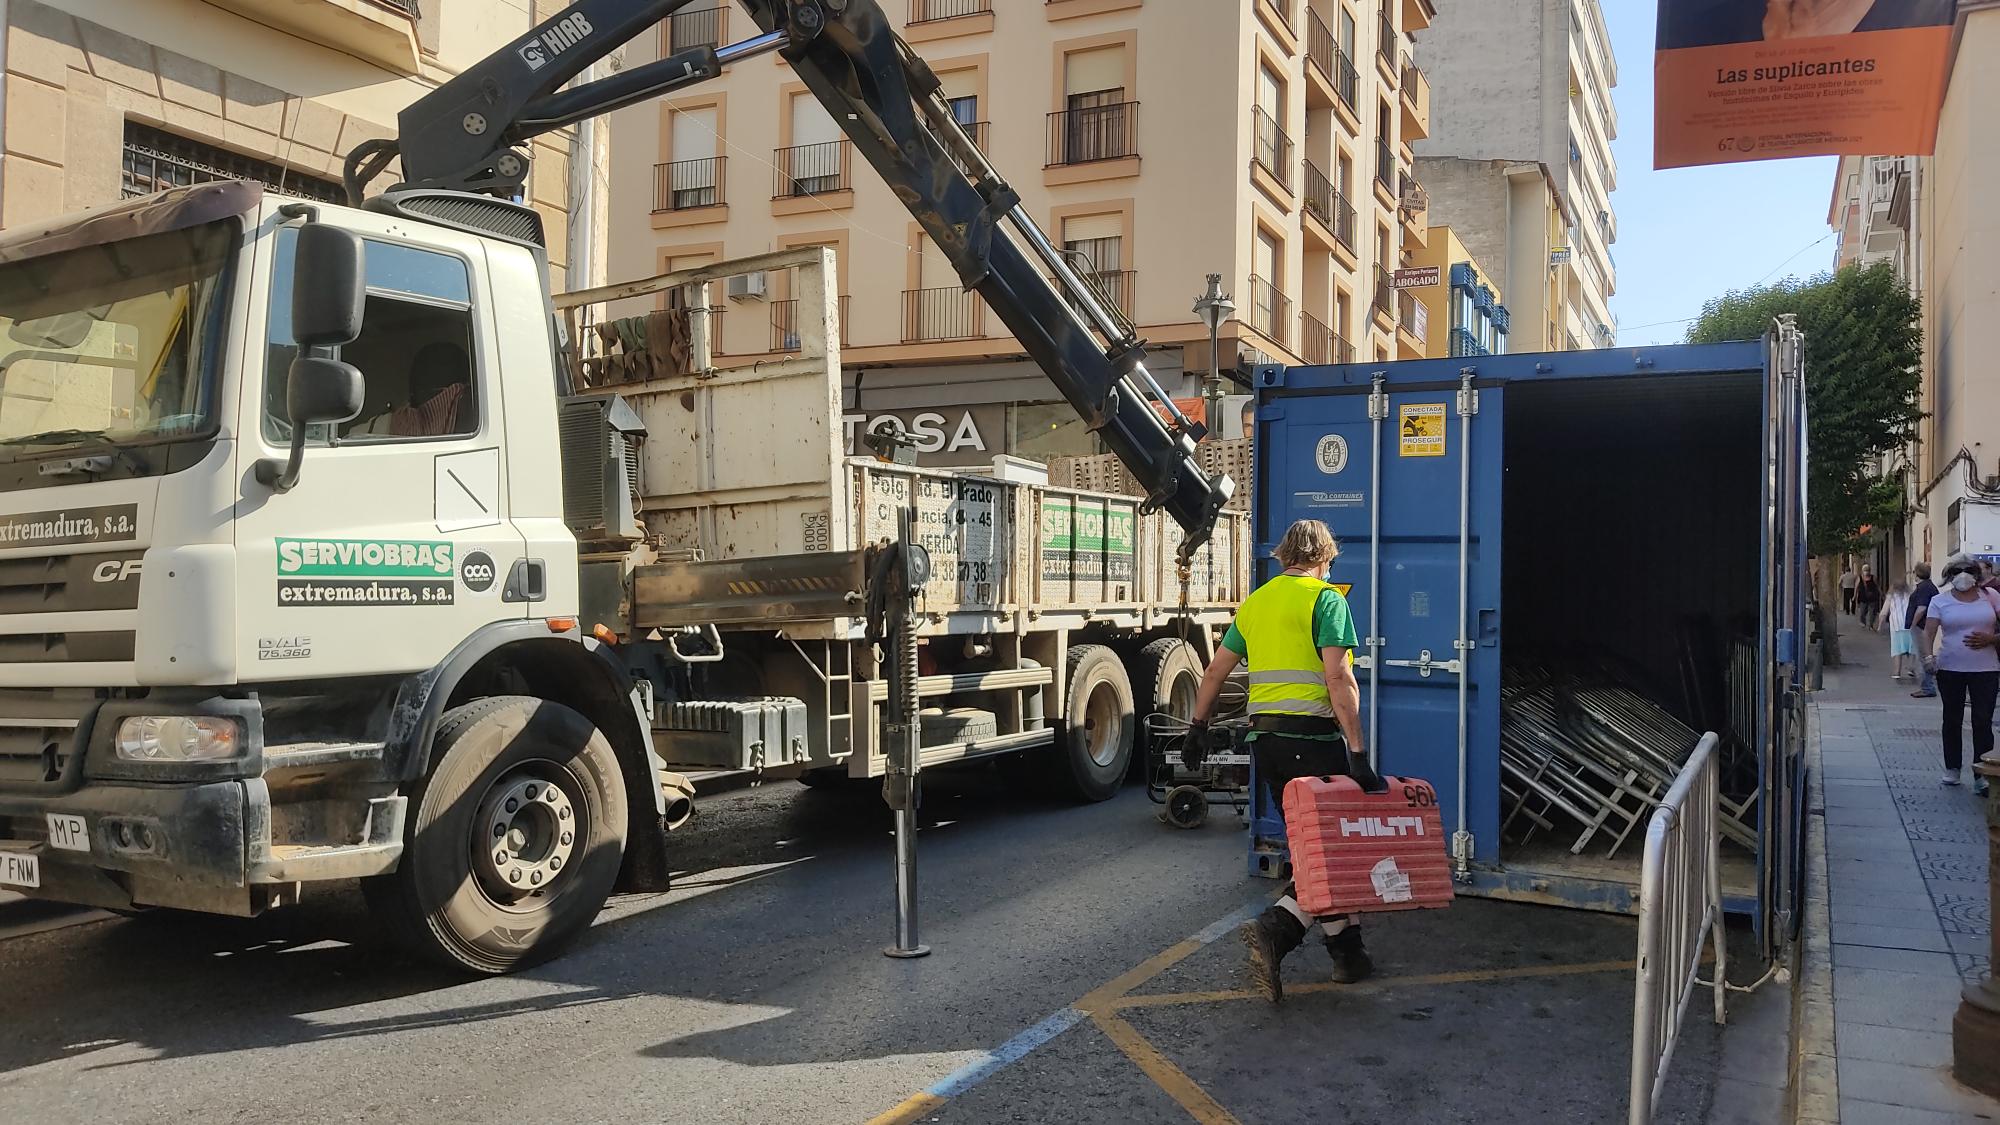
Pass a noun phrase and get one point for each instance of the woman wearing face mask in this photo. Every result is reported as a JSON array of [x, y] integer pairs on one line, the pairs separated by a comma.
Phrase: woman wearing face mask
[[1964, 619]]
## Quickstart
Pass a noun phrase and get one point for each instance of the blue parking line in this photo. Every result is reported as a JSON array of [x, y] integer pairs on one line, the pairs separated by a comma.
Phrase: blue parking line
[[977, 1071]]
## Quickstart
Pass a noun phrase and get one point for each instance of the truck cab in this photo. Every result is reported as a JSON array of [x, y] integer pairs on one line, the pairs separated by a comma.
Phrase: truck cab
[[221, 678]]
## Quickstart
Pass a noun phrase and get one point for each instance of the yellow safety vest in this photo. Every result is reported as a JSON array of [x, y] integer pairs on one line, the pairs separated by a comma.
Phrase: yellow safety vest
[[1287, 676]]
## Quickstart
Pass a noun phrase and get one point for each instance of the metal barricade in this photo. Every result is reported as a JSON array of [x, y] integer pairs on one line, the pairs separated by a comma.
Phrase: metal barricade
[[1680, 909]]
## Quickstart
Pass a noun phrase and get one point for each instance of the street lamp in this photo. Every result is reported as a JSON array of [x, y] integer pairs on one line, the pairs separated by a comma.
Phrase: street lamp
[[1214, 307]]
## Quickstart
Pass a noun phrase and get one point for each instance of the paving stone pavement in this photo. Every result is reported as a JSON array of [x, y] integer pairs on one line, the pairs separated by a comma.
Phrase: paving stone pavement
[[1911, 913]]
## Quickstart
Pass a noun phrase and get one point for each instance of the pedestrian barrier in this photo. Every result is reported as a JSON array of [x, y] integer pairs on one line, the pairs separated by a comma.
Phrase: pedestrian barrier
[[1680, 909]]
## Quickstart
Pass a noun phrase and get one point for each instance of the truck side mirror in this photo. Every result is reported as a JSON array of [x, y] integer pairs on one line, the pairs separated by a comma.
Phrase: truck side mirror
[[329, 287], [320, 390]]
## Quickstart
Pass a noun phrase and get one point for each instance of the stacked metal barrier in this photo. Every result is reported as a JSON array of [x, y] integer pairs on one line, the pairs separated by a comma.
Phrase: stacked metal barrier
[[1594, 759]]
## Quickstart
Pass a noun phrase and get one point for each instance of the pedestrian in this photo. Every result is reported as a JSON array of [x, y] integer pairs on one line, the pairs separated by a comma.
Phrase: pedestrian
[[1847, 580], [1959, 629], [1298, 636], [1902, 643], [1867, 596], [1920, 601]]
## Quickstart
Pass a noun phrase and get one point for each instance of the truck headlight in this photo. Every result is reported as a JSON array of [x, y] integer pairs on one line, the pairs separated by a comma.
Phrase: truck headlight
[[178, 738]]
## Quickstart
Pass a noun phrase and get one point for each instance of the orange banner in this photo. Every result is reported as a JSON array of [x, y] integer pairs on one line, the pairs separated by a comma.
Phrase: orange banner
[[1739, 80]]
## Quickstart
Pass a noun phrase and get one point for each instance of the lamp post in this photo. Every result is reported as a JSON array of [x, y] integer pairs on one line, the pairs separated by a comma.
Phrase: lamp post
[[1214, 307]]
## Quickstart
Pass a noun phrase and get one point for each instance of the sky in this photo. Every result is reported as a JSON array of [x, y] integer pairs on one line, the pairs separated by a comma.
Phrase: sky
[[1689, 234]]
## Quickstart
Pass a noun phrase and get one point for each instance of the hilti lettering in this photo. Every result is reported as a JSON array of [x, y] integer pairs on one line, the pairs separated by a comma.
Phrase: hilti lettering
[[1382, 826]]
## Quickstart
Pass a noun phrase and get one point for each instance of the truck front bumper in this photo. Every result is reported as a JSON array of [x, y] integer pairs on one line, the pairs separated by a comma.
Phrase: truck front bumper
[[164, 845]]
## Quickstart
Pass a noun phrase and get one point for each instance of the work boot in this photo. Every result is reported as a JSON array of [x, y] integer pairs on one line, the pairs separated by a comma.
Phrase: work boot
[[1268, 937], [1351, 963]]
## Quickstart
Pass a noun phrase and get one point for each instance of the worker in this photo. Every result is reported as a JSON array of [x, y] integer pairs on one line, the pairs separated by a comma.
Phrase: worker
[[1305, 721]]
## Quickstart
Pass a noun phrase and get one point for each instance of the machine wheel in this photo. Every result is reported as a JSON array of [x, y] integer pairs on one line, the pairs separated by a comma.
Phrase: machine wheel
[[514, 841], [1186, 807], [1094, 746]]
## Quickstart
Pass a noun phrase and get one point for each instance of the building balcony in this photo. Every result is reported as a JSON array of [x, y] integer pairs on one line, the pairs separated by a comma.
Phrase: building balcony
[[1385, 173], [689, 185], [1387, 45], [1271, 158], [806, 172], [1384, 304], [1418, 14], [945, 313], [1415, 96], [945, 19], [1092, 134], [1333, 214], [701, 27], [1270, 311], [1115, 289], [1319, 344], [383, 32], [1412, 322], [1331, 79], [785, 324]]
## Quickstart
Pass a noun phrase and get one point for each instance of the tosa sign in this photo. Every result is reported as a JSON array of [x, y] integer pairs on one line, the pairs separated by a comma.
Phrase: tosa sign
[[964, 435]]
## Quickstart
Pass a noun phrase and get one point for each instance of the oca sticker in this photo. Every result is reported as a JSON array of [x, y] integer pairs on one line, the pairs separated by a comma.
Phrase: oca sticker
[[477, 571]]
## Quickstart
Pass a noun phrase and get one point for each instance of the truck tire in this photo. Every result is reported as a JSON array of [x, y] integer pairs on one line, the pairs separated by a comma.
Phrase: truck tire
[[514, 841], [1167, 674], [1093, 747]]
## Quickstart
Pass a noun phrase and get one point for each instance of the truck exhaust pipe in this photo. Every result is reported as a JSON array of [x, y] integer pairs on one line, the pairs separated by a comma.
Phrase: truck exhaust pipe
[[679, 792]]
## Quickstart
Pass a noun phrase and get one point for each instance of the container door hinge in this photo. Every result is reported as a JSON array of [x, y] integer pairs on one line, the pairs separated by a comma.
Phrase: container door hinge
[[1425, 664], [1378, 403], [1468, 398]]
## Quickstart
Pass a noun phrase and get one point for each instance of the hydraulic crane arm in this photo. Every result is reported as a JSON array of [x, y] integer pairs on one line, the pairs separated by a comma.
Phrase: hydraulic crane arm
[[471, 134]]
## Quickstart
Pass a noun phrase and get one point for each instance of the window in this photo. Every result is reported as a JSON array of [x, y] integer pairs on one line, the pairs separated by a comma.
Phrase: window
[[1095, 121], [965, 110], [415, 352], [156, 160], [693, 178], [816, 162], [1347, 32], [1096, 248]]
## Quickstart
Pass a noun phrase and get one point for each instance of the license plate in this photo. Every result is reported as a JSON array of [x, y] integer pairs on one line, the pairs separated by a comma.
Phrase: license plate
[[20, 869], [68, 832]]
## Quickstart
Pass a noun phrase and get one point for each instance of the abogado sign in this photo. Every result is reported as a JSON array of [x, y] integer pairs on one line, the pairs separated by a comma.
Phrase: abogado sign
[[1417, 277]]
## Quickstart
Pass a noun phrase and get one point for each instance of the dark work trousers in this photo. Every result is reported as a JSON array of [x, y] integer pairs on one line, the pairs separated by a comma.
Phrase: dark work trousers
[[1280, 758], [1953, 687]]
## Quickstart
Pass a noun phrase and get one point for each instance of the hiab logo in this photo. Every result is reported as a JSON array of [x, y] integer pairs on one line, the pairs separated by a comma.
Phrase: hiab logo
[[561, 36], [1382, 826]]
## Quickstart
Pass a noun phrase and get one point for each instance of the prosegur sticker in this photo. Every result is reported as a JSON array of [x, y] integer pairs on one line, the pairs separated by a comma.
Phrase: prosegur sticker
[[364, 572], [1420, 429]]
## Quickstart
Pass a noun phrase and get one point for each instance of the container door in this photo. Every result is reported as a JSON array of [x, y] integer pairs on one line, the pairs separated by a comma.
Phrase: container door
[[1409, 481]]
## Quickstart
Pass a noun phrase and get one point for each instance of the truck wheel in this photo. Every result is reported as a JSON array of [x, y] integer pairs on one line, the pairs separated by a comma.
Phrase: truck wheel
[[1166, 674], [515, 839], [1094, 744]]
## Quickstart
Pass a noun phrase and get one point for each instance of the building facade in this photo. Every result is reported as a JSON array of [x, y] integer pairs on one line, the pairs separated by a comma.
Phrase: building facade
[[1931, 218], [1531, 84], [1267, 141], [1463, 308], [112, 98]]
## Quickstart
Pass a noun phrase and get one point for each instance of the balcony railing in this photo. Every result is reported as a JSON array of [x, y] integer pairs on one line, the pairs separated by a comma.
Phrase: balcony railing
[[702, 27], [1092, 133], [1385, 293], [1315, 339], [815, 169], [785, 324], [1270, 310], [1346, 79], [1324, 202], [1413, 315], [1385, 36], [1270, 146], [946, 313], [1385, 164], [684, 185], [930, 11], [1319, 44], [1115, 288]]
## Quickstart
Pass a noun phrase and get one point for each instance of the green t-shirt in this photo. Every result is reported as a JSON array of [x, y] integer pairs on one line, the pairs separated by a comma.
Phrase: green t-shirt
[[1333, 627]]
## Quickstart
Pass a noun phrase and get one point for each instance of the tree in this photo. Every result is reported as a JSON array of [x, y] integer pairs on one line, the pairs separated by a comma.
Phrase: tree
[[1864, 344]]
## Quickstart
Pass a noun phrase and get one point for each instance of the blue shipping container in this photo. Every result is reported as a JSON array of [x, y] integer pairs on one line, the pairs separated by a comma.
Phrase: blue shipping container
[[1637, 509]]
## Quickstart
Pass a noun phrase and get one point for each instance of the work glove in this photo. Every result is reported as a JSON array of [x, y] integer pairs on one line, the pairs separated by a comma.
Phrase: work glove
[[1194, 745], [1363, 772]]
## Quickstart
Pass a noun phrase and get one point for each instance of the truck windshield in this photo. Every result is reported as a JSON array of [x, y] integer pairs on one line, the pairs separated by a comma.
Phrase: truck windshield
[[113, 343]]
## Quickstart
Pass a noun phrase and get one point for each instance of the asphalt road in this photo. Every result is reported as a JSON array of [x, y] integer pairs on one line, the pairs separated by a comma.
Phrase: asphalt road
[[756, 992]]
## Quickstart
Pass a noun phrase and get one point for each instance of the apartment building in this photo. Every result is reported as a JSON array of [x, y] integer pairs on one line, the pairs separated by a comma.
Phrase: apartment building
[[112, 98], [1932, 219], [1458, 298], [1531, 84], [1157, 141]]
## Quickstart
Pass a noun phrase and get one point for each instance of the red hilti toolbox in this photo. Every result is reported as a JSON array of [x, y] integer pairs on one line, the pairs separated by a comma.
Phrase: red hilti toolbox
[[1355, 852]]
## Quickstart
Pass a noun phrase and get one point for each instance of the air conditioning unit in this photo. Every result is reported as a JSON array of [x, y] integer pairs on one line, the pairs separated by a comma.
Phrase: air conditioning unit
[[747, 286]]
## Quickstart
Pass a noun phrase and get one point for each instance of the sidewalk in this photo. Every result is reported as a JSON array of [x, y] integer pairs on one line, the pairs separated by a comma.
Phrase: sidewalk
[[1906, 883]]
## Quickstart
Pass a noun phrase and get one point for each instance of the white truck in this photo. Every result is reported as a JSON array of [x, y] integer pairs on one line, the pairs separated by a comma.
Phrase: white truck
[[324, 554]]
